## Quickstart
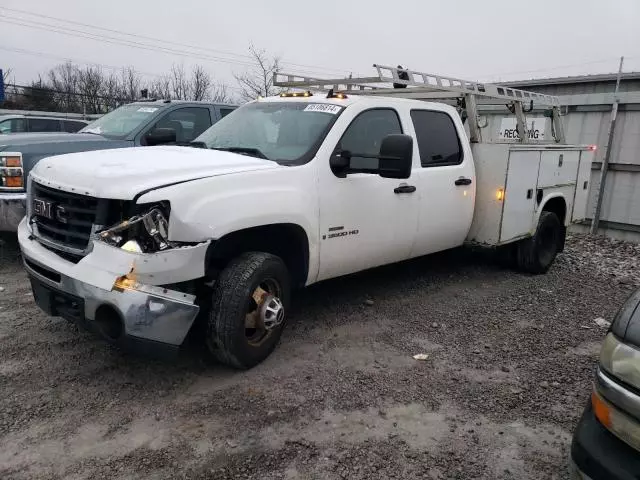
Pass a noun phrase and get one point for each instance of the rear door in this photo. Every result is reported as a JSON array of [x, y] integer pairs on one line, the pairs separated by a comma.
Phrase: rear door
[[43, 124], [444, 182]]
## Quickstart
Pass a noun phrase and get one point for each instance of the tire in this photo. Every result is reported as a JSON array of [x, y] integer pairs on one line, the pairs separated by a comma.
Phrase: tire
[[507, 256], [536, 254], [234, 304]]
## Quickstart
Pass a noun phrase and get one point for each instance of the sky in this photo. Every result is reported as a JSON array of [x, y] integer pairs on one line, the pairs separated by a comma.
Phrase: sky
[[491, 40]]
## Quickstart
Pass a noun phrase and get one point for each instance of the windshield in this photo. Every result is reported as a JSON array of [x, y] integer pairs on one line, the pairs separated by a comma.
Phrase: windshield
[[286, 132], [122, 121]]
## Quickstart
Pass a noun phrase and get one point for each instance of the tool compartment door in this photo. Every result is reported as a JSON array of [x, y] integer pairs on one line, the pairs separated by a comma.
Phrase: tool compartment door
[[581, 198], [520, 194], [558, 168]]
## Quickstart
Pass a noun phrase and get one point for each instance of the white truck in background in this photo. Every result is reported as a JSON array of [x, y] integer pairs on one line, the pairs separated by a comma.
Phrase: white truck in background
[[142, 245]]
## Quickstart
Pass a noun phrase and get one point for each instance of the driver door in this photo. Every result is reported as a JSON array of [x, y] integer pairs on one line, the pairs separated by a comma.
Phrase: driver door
[[365, 220]]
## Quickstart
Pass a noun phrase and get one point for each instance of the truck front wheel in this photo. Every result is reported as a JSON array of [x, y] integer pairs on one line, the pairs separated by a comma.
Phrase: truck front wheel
[[536, 254], [248, 311]]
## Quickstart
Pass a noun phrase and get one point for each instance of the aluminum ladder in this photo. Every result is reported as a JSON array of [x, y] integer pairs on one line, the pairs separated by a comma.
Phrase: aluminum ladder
[[405, 83]]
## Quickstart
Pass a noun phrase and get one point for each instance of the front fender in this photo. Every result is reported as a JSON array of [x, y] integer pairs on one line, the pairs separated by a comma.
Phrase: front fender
[[210, 208]]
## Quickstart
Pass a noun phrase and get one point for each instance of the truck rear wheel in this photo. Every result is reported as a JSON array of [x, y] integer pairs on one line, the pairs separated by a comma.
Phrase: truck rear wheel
[[536, 254], [248, 311]]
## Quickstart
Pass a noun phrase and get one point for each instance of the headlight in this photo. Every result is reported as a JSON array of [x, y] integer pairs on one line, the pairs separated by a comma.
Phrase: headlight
[[620, 360], [144, 233]]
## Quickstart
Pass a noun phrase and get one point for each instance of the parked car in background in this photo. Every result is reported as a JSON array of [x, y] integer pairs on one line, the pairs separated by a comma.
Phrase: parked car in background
[[156, 122], [39, 124], [606, 442]]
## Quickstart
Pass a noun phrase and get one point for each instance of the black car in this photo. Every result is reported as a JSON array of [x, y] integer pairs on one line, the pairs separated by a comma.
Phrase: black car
[[606, 443]]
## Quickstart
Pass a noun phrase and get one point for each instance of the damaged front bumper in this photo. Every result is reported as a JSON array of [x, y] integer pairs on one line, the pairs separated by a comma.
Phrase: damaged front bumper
[[115, 293], [12, 210]]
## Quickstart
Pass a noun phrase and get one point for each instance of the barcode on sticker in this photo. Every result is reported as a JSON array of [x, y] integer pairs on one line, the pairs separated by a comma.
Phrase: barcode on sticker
[[322, 107]]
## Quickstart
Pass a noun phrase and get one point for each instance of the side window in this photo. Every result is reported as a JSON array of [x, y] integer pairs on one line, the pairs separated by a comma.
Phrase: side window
[[365, 135], [18, 125], [438, 140], [44, 125], [5, 126], [71, 126], [188, 122], [225, 111]]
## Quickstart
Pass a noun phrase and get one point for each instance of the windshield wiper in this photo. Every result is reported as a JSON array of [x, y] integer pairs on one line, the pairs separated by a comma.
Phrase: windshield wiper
[[253, 152], [92, 133]]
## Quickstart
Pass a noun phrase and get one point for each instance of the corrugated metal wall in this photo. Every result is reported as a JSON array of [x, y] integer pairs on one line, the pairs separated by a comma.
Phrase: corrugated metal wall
[[583, 87]]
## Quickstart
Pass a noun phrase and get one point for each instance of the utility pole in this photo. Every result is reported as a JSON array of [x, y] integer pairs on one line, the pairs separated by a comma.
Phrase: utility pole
[[607, 153]]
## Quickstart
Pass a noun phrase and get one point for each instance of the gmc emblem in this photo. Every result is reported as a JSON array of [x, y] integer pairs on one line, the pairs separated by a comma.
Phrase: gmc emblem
[[49, 210]]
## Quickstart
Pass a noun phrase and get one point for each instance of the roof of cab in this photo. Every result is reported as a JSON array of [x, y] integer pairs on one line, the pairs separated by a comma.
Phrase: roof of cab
[[364, 100], [163, 102]]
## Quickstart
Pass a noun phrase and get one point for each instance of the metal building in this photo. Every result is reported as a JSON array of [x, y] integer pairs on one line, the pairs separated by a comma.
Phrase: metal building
[[589, 101]]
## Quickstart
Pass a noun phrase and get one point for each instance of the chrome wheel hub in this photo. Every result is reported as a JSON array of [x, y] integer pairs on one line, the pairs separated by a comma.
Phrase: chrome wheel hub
[[271, 312]]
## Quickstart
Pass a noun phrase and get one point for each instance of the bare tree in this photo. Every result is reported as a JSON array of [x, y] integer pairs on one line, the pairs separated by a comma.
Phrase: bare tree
[[258, 80], [6, 74], [90, 86], [180, 88], [220, 93], [64, 80], [130, 86], [160, 87], [200, 84], [111, 91]]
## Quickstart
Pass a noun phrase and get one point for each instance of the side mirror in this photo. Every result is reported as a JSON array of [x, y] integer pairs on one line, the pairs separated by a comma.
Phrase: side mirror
[[339, 163], [396, 156], [160, 136]]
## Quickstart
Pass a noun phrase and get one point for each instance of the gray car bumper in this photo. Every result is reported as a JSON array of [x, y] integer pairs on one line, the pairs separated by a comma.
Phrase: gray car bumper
[[12, 210], [120, 311]]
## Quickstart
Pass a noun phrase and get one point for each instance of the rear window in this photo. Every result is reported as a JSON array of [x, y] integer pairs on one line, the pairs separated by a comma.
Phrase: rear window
[[438, 140]]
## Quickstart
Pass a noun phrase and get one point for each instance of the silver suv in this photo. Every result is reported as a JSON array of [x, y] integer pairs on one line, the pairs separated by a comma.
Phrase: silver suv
[[41, 124]]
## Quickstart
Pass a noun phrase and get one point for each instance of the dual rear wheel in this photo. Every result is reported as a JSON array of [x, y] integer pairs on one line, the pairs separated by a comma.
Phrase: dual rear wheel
[[536, 254]]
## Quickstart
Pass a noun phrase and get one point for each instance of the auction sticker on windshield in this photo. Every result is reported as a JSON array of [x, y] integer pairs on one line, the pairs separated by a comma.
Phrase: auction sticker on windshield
[[323, 108], [147, 109]]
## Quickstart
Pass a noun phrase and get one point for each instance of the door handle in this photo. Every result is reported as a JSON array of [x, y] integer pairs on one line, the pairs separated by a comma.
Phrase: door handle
[[462, 181], [404, 189]]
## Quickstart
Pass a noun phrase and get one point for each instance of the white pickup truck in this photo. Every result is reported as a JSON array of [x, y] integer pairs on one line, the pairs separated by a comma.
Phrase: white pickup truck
[[142, 244]]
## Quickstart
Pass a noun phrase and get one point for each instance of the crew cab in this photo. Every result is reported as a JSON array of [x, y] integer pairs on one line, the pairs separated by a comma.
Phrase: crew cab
[[141, 245], [135, 124]]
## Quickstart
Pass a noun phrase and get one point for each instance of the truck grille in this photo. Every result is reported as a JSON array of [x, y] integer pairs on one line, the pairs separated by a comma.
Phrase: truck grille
[[73, 228]]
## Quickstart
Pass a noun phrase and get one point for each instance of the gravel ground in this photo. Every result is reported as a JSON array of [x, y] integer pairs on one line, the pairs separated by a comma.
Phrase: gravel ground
[[509, 372]]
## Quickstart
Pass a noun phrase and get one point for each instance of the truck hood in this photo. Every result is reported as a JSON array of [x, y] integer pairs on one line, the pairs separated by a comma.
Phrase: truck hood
[[122, 174], [15, 139]]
